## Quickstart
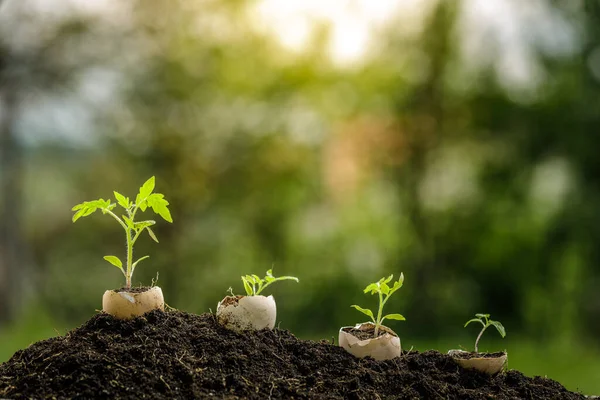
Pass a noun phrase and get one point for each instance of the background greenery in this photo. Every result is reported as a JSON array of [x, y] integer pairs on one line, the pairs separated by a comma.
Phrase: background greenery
[[460, 146]]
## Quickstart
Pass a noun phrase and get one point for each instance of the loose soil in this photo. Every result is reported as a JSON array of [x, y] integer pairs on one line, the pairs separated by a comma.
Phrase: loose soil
[[138, 289], [230, 300], [365, 333], [176, 355], [468, 355]]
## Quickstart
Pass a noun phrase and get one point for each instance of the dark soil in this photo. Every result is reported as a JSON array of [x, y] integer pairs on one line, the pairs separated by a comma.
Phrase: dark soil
[[230, 300], [364, 334], [467, 355], [176, 355], [139, 289]]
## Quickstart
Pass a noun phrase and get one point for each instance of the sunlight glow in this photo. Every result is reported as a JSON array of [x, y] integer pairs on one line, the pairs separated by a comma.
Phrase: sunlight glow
[[352, 23]]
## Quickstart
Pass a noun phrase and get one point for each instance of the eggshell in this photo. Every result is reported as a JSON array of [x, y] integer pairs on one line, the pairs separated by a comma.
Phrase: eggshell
[[127, 305], [488, 365], [384, 347], [240, 313]]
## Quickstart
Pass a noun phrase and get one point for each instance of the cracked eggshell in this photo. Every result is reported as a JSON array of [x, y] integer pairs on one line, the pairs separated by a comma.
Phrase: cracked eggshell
[[127, 305], [488, 365], [384, 347], [240, 313]]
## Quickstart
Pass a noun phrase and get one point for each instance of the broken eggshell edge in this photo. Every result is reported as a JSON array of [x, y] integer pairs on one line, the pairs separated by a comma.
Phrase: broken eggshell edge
[[127, 305], [490, 366], [247, 313], [384, 347]]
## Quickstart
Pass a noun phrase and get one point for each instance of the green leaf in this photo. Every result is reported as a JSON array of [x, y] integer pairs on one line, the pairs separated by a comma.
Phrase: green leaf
[[155, 197], [78, 207], [147, 188], [385, 289], [88, 211], [386, 280], [128, 221], [143, 224], [499, 327], [159, 206], [364, 311], [166, 214], [474, 320], [247, 287], [284, 278], [397, 285], [373, 288], [114, 261], [79, 214], [136, 263], [122, 200], [143, 205], [397, 317], [152, 235], [257, 279], [482, 315]]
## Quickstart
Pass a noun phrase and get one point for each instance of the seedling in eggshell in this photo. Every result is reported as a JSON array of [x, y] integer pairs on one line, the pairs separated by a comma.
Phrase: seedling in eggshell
[[384, 291], [484, 319], [254, 285], [145, 199]]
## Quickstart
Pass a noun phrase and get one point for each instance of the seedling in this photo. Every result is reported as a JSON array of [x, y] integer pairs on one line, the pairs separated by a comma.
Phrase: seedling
[[484, 319], [144, 199], [253, 284], [384, 291]]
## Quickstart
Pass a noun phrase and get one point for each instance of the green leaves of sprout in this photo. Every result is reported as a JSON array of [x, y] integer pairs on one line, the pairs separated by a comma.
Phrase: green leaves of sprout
[[484, 319], [146, 198], [253, 284], [383, 289]]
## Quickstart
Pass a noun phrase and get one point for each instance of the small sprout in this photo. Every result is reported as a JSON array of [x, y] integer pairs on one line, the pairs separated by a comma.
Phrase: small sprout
[[253, 284], [382, 289], [144, 199], [484, 319]]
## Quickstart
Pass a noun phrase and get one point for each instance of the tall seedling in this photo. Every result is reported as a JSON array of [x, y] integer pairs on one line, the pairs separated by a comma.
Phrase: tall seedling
[[145, 199]]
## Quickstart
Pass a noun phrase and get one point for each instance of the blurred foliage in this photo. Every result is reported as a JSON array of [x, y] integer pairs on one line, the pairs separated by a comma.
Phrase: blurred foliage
[[484, 193]]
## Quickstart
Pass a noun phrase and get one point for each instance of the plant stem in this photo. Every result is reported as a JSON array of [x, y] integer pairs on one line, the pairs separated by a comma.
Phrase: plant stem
[[378, 322], [129, 248], [129, 258], [479, 337]]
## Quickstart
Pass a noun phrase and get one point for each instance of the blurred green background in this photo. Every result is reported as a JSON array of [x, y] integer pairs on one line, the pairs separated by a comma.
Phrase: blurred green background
[[338, 141]]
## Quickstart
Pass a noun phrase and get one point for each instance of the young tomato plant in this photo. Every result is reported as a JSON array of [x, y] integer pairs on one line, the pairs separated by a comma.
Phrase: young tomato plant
[[484, 319], [384, 291], [253, 284], [133, 229]]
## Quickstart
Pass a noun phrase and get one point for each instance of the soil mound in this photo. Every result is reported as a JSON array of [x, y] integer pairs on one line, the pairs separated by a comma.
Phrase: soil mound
[[176, 355]]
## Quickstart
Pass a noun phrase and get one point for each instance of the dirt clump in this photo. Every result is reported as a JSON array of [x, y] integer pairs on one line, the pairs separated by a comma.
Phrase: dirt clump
[[177, 355]]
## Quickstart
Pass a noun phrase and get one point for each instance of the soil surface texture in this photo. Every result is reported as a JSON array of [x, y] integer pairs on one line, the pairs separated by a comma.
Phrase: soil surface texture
[[365, 334], [176, 355], [467, 355], [137, 289]]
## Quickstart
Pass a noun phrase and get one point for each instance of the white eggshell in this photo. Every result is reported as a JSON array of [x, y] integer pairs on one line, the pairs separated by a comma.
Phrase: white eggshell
[[487, 365], [384, 347], [126, 305], [240, 313]]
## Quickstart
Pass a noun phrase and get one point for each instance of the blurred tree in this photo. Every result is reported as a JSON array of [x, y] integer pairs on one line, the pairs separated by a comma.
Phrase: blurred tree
[[11, 178]]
